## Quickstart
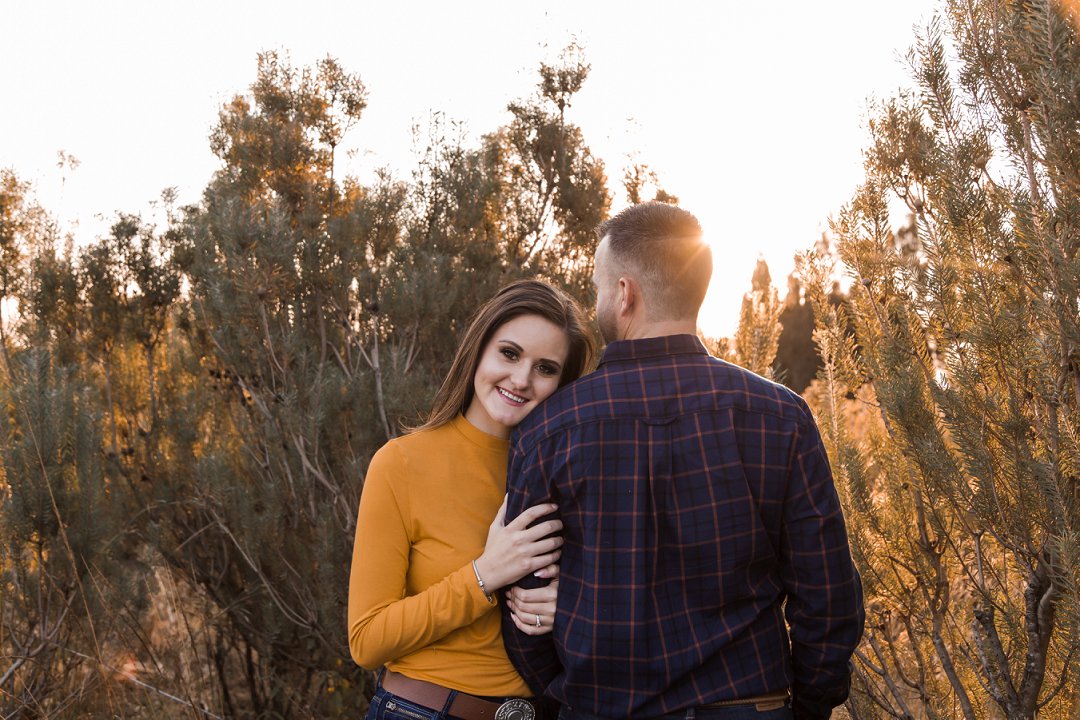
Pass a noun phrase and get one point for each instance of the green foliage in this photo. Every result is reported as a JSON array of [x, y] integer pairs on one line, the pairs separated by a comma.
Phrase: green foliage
[[57, 516], [552, 190], [962, 493], [210, 395], [758, 334], [12, 225], [639, 176]]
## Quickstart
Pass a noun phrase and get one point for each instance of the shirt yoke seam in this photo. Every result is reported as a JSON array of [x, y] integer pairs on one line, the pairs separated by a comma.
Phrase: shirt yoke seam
[[575, 423]]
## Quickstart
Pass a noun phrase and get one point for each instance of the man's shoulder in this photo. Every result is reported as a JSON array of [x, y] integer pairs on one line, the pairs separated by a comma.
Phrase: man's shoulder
[[560, 408], [756, 393], [695, 383]]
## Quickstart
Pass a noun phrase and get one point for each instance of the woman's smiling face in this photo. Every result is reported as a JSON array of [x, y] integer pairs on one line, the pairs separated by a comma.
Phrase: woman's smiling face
[[519, 368]]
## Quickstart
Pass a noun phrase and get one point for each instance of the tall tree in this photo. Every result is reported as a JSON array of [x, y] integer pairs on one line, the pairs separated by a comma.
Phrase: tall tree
[[756, 337], [797, 358], [553, 190], [12, 266], [186, 414], [963, 495], [62, 565], [271, 259], [324, 313], [758, 334]]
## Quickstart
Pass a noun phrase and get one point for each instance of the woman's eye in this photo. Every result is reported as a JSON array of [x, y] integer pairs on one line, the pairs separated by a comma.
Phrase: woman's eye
[[546, 370], [509, 353]]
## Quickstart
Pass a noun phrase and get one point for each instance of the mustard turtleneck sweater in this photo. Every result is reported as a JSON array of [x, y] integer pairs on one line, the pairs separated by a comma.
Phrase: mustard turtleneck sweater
[[414, 604]]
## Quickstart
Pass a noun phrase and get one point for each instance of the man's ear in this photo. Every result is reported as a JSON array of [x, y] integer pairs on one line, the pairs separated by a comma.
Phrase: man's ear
[[629, 296]]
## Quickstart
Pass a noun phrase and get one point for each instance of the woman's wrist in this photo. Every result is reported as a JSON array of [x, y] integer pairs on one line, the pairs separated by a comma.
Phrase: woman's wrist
[[485, 588]]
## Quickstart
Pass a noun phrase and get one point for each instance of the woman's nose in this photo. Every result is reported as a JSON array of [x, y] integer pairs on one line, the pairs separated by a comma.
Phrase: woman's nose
[[520, 377]]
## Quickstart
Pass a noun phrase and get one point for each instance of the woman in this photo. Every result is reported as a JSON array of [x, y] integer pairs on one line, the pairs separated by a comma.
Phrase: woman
[[423, 583]]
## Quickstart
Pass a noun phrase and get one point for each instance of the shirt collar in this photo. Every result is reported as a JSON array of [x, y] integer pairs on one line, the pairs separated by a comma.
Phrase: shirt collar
[[621, 350]]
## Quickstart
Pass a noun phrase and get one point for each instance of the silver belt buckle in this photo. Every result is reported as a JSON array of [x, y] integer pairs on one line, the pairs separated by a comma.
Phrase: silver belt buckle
[[516, 709]]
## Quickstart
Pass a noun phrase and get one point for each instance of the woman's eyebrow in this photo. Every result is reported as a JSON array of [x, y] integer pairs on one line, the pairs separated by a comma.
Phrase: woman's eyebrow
[[556, 363], [517, 347]]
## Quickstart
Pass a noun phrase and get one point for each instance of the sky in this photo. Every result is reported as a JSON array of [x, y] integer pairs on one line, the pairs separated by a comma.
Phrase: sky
[[753, 113]]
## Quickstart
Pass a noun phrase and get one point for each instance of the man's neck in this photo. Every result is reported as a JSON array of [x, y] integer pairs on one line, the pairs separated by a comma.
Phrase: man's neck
[[660, 328]]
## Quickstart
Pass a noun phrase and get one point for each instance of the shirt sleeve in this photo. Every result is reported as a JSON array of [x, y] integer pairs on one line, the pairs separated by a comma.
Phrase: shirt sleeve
[[384, 624], [824, 606], [533, 656]]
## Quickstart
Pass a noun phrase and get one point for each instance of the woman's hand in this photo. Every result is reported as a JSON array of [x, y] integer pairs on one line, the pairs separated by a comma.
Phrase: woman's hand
[[533, 610], [516, 550]]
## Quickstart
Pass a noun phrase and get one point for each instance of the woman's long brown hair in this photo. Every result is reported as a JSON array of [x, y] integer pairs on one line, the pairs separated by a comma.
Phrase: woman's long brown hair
[[523, 297]]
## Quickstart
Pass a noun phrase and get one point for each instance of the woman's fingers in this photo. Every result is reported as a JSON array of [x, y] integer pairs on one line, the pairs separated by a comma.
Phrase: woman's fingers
[[533, 565], [532, 623], [543, 536], [533, 609], [541, 561], [542, 530], [542, 544], [500, 517], [523, 627], [530, 515], [515, 550], [533, 600], [548, 572]]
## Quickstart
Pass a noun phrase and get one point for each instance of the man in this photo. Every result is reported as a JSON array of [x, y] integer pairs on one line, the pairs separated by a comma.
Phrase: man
[[699, 512]]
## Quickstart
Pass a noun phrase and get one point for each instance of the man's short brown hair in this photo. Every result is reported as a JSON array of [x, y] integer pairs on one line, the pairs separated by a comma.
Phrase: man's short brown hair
[[662, 247]]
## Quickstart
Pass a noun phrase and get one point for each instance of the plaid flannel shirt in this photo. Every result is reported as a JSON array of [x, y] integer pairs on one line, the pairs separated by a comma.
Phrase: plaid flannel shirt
[[699, 513]]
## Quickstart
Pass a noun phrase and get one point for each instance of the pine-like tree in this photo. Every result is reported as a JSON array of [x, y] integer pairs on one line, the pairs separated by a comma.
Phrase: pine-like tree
[[961, 484], [797, 358], [758, 334], [63, 574], [323, 315], [186, 414]]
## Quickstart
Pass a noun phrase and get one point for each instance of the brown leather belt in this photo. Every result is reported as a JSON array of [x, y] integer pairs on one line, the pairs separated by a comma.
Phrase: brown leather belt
[[766, 701], [465, 706]]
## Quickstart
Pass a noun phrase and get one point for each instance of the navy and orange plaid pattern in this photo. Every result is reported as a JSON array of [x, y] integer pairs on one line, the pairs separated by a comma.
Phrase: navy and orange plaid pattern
[[700, 523]]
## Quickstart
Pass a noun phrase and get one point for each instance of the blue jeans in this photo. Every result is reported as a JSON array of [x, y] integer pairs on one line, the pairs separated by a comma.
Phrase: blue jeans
[[732, 712], [387, 706]]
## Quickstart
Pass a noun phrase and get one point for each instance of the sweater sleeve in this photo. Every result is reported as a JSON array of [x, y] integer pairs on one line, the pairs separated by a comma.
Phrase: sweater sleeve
[[384, 623]]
